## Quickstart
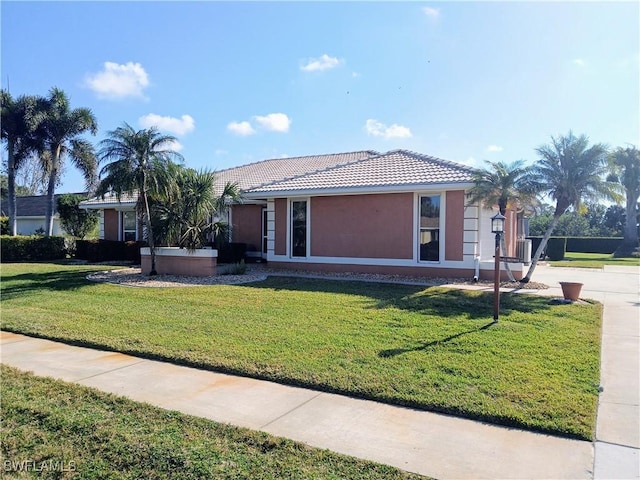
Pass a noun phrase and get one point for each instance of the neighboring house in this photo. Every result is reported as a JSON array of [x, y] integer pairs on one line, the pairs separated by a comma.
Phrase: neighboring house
[[398, 212], [31, 214]]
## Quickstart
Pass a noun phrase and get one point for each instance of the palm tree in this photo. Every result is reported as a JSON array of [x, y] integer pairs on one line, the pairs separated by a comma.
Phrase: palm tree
[[625, 163], [62, 128], [19, 121], [502, 184], [140, 163], [570, 171], [187, 212]]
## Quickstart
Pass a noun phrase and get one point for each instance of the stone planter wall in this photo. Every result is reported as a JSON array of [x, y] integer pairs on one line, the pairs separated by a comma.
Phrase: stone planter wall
[[178, 261]]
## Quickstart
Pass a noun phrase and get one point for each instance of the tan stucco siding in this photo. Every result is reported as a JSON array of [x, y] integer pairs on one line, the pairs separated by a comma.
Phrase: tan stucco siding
[[280, 243], [111, 224], [362, 226], [247, 225], [454, 225]]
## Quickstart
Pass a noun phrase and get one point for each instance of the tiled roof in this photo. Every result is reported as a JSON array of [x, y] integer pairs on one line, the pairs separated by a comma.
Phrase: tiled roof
[[395, 168], [125, 199], [274, 170], [32, 206]]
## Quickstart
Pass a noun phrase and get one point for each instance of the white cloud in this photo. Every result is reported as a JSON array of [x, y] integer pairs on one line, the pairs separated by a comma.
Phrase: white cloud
[[431, 12], [470, 161], [220, 151], [494, 148], [579, 62], [325, 62], [177, 126], [116, 81], [379, 129], [274, 122], [242, 129]]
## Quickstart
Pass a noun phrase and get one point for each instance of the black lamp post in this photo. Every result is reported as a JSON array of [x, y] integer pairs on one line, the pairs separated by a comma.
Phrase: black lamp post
[[497, 227]]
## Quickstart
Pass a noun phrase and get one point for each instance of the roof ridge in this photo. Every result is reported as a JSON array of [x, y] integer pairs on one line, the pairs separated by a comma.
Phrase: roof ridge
[[298, 156], [321, 170], [422, 156]]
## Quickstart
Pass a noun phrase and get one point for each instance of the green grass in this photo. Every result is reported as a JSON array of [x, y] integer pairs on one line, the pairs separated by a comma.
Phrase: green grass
[[593, 260], [78, 432], [430, 348]]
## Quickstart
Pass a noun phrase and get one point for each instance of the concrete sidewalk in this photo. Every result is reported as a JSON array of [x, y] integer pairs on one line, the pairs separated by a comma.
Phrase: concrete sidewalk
[[436, 445]]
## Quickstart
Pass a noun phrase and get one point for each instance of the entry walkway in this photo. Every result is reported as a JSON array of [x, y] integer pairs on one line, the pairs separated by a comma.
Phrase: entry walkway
[[436, 445]]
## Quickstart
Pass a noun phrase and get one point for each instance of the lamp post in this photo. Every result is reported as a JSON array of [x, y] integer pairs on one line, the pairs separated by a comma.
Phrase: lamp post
[[497, 227]]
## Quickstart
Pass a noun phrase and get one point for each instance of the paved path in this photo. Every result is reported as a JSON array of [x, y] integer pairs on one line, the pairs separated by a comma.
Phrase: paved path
[[431, 444]]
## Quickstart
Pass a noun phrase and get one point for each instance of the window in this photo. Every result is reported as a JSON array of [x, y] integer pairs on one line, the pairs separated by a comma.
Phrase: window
[[129, 226], [299, 228], [429, 238]]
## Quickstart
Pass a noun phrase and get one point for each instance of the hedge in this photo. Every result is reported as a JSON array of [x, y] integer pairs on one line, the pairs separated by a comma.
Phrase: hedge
[[593, 244], [31, 249], [584, 244], [556, 248], [108, 251]]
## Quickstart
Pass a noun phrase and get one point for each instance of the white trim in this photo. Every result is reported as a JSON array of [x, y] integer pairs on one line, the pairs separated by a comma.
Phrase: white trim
[[181, 252], [319, 192], [111, 205], [387, 262]]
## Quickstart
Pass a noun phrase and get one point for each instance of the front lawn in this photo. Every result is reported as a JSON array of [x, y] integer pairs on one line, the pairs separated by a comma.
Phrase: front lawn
[[52, 429], [593, 260], [431, 348]]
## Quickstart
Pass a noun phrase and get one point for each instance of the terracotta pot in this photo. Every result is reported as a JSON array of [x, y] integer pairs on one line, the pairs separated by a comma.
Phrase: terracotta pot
[[571, 290]]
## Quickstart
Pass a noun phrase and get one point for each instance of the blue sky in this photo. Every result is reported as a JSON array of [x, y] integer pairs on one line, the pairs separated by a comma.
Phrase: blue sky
[[241, 82]]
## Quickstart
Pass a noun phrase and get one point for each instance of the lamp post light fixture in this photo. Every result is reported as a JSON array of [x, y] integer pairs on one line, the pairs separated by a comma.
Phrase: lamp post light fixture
[[497, 227]]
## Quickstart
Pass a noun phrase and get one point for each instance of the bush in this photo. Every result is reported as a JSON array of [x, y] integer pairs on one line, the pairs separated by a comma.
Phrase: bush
[[239, 268], [4, 226], [593, 244], [556, 248], [232, 252], [31, 249], [108, 251]]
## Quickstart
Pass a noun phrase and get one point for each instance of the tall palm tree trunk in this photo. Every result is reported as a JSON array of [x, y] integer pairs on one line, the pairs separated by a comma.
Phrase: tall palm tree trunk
[[507, 267], [631, 229], [51, 190], [11, 178], [150, 239], [541, 247]]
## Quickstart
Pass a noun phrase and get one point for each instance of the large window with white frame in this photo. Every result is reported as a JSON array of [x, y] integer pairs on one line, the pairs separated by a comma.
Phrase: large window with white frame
[[429, 228], [298, 228], [129, 226]]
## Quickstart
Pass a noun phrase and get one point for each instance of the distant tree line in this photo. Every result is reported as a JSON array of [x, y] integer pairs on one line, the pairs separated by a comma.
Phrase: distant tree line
[[594, 220]]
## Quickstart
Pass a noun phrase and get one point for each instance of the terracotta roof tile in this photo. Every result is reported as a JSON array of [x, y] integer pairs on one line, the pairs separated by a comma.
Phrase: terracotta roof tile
[[394, 168], [274, 170]]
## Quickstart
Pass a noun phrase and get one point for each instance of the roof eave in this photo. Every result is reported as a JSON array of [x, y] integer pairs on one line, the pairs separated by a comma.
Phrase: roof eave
[[359, 190]]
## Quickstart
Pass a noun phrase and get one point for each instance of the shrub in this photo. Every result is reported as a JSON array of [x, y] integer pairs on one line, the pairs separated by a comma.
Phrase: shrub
[[4, 226], [31, 249], [108, 251], [232, 252], [593, 244], [556, 248], [75, 220], [238, 268]]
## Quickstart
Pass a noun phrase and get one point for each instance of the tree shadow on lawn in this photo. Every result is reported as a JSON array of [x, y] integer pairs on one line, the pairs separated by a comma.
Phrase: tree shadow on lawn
[[59, 280], [393, 352], [440, 302]]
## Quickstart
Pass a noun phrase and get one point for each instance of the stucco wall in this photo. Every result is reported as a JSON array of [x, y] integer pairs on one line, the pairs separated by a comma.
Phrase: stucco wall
[[247, 225], [454, 225], [111, 224], [362, 226], [280, 243]]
